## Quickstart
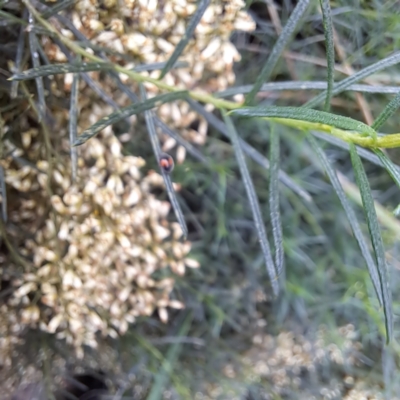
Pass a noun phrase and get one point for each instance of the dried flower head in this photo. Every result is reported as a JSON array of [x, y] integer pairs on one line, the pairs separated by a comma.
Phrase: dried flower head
[[148, 32], [94, 245]]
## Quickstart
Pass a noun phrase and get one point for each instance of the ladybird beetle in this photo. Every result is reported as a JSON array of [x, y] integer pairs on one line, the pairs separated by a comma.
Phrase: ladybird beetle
[[166, 163]]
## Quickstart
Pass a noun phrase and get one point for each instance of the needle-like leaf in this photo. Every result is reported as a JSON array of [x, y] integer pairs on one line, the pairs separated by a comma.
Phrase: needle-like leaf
[[387, 112], [64, 68], [179, 139], [202, 7], [3, 192], [330, 49], [90, 82], [345, 83], [376, 238], [391, 168], [157, 152], [350, 216], [127, 112], [277, 50], [18, 58], [304, 85], [304, 114], [275, 214], [60, 6], [255, 207], [73, 122], [36, 64]]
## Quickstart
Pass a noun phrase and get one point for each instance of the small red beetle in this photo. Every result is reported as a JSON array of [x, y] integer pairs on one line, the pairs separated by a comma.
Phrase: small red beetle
[[166, 162]]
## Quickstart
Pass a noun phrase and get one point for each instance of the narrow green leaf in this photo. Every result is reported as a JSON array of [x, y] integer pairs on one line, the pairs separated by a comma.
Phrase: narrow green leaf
[[275, 214], [379, 158], [43, 54], [10, 18], [170, 132], [18, 58], [179, 139], [373, 271], [82, 40], [305, 114], [250, 151], [255, 207], [345, 83], [159, 65], [277, 50], [330, 49], [194, 21], [3, 192], [174, 201], [387, 112], [391, 168], [90, 82], [127, 112], [62, 5], [64, 68], [73, 122], [376, 238], [304, 85], [157, 152], [36, 64]]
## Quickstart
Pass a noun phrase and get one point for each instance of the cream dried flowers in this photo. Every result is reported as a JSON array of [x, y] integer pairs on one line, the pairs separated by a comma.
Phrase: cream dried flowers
[[95, 253], [147, 31]]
